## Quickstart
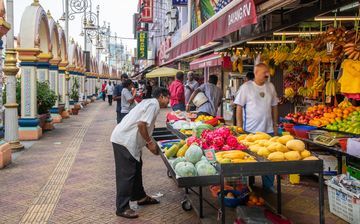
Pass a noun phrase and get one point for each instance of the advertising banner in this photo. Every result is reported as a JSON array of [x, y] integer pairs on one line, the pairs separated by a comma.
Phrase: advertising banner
[[146, 11], [142, 42], [179, 2]]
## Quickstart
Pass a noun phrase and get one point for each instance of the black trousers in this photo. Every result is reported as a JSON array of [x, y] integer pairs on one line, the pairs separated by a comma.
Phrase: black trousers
[[103, 96], [129, 184], [120, 116], [110, 99]]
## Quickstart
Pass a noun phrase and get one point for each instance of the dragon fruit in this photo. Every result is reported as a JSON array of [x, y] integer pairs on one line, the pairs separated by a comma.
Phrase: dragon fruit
[[192, 139], [223, 132], [226, 148], [232, 142], [218, 141]]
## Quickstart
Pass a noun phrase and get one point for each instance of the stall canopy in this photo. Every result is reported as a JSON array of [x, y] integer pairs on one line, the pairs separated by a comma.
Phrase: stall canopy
[[237, 14], [210, 60], [162, 72]]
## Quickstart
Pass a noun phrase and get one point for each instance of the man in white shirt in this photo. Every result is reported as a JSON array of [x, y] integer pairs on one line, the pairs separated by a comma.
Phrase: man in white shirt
[[190, 86], [257, 109], [128, 139]]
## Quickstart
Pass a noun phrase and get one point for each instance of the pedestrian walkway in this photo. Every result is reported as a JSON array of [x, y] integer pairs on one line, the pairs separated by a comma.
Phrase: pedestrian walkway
[[68, 177]]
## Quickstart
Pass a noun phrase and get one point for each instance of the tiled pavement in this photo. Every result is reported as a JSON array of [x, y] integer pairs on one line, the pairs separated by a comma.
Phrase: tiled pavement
[[68, 177]]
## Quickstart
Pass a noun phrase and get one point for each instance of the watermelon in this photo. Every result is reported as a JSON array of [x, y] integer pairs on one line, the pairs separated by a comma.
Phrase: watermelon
[[185, 169], [205, 169], [193, 154], [178, 160], [200, 162], [199, 129]]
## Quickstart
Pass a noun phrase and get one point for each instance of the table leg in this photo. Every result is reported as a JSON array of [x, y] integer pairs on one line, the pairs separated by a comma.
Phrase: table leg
[[201, 203], [222, 199], [321, 198], [278, 180], [339, 162]]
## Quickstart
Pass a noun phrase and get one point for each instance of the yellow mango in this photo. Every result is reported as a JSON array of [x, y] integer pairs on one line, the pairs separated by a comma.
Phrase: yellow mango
[[254, 148], [277, 147], [284, 139], [311, 158], [274, 139], [305, 153], [276, 156], [296, 145], [292, 155], [263, 152]]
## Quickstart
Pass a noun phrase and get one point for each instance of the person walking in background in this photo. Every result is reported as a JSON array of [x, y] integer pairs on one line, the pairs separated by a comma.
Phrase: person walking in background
[[257, 109], [128, 139], [190, 86], [127, 98], [177, 93], [103, 90], [149, 87], [110, 92], [117, 96], [213, 94]]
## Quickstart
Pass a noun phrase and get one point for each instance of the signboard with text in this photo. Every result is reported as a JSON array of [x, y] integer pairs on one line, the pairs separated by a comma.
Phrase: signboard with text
[[146, 11], [179, 2], [142, 42]]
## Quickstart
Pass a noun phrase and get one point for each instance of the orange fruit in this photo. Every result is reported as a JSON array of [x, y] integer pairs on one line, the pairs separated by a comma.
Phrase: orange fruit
[[346, 111]]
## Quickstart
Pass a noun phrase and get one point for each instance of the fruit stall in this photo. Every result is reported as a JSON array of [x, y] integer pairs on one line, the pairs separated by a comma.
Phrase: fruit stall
[[213, 154]]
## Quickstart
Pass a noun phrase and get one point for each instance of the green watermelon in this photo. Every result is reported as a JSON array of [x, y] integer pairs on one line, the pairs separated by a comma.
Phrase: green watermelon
[[178, 160], [193, 154], [185, 169], [200, 162], [205, 169]]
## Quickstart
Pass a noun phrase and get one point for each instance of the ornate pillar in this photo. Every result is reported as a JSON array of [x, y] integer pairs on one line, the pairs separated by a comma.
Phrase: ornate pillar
[[67, 91], [43, 66], [63, 90], [29, 122], [54, 85]]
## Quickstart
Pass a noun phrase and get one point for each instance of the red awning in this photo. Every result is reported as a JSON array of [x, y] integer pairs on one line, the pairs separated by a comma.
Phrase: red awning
[[206, 61], [237, 14], [210, 60]]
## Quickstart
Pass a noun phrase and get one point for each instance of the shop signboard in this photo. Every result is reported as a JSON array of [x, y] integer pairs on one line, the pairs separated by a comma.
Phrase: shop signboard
[[179, 2], [142, 42], [241, 14], [146, 11]]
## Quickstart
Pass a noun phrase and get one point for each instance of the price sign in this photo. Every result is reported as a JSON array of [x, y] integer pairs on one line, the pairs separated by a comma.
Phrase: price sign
[[210, 155]]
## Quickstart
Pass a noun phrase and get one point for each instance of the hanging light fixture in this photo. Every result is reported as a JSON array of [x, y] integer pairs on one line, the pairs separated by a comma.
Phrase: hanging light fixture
[[337, 18], [271, 42], [297, 33]]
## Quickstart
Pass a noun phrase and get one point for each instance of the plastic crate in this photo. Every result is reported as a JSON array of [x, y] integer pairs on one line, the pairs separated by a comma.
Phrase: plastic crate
[[343, 204]]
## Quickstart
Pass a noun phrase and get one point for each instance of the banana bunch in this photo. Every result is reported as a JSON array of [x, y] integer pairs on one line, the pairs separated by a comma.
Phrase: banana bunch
[[344, 104], [281, 54], [289, 93], [352, 51], [330, 88], [319, 83], [305, 92]]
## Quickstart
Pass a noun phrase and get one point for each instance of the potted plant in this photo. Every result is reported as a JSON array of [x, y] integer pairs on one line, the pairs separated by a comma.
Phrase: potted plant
[[74, 95], [46, 99]]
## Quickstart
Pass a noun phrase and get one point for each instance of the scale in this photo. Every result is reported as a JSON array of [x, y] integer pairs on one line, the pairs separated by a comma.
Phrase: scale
[[325, 140]]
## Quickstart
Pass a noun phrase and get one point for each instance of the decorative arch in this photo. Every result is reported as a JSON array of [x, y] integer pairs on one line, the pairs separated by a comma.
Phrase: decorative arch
[[34, 29], [63, 45], [54, 37], [73, 54]]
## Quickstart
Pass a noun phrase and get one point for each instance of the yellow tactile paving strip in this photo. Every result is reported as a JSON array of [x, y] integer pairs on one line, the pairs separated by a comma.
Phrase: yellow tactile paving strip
[[45, 203]]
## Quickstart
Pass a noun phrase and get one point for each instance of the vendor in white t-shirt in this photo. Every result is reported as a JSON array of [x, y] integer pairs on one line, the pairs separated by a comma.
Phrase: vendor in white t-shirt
[[129, 137], [257, 108]]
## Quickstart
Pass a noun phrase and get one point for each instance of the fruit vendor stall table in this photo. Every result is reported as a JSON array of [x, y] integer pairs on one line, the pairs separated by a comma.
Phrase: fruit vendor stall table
[[334, 150], [259, 168], [266, 167]]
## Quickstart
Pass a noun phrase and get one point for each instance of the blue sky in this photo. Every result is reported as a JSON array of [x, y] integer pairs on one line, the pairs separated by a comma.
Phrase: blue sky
[[118, 12]]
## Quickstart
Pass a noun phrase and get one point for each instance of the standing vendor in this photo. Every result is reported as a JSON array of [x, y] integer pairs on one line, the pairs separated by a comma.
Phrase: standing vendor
[[190, 86], [257, 109], [213, 94], [177, 93], [128, 138]]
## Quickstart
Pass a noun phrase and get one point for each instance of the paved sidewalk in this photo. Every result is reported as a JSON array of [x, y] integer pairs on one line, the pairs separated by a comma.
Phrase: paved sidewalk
[[68, 177]]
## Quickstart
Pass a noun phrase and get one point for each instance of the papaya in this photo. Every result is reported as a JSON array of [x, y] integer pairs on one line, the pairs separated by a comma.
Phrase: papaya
[[182, 151]]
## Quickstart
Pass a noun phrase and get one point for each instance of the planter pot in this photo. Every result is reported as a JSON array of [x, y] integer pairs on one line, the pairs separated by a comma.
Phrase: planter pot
[[61, 108], [77, 106], [42, 119], [74, 111]]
